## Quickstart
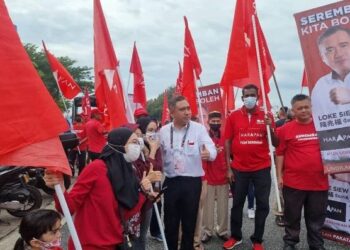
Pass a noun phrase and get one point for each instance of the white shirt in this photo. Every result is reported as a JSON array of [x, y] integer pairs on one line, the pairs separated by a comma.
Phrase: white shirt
[[185, 160], [322, 105]]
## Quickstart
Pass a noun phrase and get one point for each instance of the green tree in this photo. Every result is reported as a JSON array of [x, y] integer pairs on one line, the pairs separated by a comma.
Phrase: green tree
[[155, 106], [82, 75]]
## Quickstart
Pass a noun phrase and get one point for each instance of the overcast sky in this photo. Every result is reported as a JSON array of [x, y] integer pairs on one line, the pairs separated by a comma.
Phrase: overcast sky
[[158, 28]]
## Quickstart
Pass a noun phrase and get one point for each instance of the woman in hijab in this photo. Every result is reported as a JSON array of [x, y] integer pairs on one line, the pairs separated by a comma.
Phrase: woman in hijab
[[106, 190]]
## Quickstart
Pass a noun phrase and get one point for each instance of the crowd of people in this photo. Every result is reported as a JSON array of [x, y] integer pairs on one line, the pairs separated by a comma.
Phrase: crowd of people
[[115, 196]]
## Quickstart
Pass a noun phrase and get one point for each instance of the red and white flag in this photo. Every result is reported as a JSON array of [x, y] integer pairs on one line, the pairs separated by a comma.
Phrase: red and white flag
[[178, 87], [191, 70], [166, 112], [108, 87], [68, 87], [241, 65], [31, 120], [139, 81]]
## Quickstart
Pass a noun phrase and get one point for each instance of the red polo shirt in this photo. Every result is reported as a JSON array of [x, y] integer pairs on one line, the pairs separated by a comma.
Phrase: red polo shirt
[[250, 147], [216, 171], [302, 167]]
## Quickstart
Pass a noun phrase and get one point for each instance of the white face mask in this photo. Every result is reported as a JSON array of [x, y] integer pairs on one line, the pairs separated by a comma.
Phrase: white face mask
[[132, 152], [152, 135], [141, 142], [249, 102]]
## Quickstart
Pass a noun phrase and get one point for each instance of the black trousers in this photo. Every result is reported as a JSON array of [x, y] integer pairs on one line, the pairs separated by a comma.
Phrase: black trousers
[[261, 180], [74, 154], [315, 205], [181, 201]]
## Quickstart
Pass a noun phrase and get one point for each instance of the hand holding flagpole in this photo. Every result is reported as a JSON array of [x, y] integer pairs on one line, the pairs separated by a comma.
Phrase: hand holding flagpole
[[274, 176]]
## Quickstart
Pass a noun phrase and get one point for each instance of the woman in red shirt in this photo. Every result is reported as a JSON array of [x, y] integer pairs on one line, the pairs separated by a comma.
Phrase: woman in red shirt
[[105, 189]]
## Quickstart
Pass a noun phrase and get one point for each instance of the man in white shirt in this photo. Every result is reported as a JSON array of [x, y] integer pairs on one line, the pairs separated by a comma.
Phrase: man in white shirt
[[331, 93], [184, 145]]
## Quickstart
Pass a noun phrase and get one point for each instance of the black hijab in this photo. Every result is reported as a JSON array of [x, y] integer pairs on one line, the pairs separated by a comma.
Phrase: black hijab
[[120, 172]]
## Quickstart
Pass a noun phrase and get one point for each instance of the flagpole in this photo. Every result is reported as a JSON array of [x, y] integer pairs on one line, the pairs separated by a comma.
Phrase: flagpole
[[60, 91], [274, 176], [278, 89], [126, 98], [199, 104], [68, 217]]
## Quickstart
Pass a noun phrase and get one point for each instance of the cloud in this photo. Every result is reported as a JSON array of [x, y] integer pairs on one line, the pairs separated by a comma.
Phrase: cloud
[[158, 28]]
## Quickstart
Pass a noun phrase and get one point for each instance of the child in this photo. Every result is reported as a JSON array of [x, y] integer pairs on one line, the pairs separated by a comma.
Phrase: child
[[40, 230]]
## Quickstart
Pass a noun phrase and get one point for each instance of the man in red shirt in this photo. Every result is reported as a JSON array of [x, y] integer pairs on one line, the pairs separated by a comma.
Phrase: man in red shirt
[[95, 133], [217, 189], [246, 140], [300, 172]]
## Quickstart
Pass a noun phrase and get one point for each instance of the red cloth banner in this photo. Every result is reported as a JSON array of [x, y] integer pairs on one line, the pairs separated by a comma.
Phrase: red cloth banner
[[68, 87], [31, 120], [108, 88], [191, 65], [304, 81]]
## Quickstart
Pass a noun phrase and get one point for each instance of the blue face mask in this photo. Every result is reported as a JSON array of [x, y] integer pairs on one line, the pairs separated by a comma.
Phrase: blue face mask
[[249, 102]]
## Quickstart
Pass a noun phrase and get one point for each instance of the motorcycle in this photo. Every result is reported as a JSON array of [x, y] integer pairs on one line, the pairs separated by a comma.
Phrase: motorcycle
[[16, 196]]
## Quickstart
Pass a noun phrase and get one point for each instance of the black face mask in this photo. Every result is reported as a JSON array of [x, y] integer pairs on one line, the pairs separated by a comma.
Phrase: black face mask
[[215, 127]]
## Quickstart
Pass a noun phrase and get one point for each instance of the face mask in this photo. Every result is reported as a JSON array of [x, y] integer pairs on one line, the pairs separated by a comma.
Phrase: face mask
[[151, 135], [56, 244], [215, 127], [141, 142], [249, 102], [132, 153]]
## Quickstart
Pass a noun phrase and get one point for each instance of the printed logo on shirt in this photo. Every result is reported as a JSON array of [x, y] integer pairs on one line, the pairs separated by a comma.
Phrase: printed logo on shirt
[[251, 136], [306, 137], [260, 121], [336, 210]]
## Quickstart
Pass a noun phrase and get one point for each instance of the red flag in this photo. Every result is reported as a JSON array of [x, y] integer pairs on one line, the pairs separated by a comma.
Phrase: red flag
[[228, 99], [68, 87], [178, 87], [241, 66], [190, 63], [86, 105], [108, 87], [166, 113], [31, 120], [304, 81], [139, 81]]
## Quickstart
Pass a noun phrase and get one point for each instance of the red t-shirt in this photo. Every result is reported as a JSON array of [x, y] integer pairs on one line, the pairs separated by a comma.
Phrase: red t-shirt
[[249, 148], [216, 171], [95, 208], [95, 134], [302, 167]]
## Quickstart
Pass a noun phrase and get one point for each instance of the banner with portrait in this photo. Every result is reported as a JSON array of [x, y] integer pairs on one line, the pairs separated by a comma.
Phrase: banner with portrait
[[324, 34]]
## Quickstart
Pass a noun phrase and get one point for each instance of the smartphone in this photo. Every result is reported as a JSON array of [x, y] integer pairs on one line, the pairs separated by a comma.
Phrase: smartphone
[[160, 193]]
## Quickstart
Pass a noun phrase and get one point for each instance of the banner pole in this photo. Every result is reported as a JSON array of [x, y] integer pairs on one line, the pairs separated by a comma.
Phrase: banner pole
[[273, 168], [159, 220], [60, 91], [68, 217], [278, 90], [199, 104]]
